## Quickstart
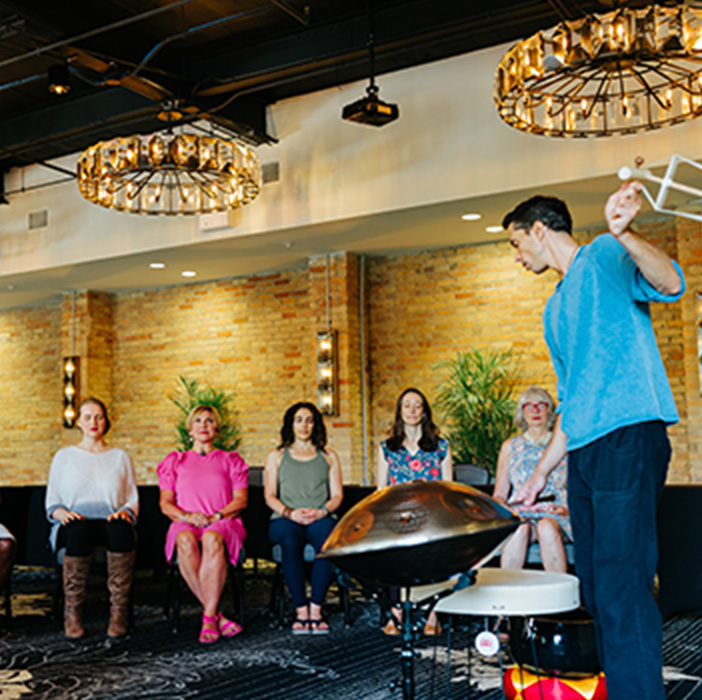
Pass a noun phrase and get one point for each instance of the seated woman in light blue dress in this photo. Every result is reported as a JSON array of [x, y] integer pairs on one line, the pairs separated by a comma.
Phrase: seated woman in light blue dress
[[413, 452], [547, 522]]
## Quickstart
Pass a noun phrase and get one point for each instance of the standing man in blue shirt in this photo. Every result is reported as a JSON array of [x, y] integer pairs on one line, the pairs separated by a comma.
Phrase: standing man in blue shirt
[[615, 405]]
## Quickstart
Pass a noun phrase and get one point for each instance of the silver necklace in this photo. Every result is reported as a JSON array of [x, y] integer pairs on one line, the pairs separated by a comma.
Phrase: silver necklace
[[540, 442]]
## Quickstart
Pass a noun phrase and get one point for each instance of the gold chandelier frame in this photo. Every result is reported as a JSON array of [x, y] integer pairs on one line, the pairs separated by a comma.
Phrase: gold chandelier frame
[[625, 71], [169, 173]]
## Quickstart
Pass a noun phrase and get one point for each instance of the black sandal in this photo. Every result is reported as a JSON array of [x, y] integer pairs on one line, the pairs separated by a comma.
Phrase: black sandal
[[305, 626], [316, 626]]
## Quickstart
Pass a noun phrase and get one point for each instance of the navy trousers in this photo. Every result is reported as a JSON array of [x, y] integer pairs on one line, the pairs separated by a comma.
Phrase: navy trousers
[[292, 537], [614, 485]]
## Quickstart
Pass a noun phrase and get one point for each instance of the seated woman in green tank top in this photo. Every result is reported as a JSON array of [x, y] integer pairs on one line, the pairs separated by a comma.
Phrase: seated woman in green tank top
[[303, 487]]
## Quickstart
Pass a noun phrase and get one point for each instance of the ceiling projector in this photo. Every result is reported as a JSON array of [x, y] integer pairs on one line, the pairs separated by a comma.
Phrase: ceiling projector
[[370, 110]]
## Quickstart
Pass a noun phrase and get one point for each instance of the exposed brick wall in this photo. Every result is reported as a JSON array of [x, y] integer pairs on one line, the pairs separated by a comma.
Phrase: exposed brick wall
[[690, 257], [255, 337], [424, 308], [30, 393], [87, 331], [669, 326], [249, 336], [344, 430]]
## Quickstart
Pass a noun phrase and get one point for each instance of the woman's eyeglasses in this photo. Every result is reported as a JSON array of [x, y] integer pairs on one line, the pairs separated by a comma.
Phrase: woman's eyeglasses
[[535, 406]]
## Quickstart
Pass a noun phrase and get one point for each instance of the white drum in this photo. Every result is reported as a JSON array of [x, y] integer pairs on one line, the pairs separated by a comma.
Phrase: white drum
[[507, 592]]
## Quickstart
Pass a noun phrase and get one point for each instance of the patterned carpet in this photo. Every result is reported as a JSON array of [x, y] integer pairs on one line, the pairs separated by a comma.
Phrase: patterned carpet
[[265, 662]]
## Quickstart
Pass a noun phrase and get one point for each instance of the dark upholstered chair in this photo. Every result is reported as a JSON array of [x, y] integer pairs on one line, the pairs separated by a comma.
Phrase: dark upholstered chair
[[236, 575], [471, 474]]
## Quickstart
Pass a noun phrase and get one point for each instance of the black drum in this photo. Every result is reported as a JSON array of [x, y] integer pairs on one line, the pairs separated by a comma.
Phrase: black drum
[[559, 645]]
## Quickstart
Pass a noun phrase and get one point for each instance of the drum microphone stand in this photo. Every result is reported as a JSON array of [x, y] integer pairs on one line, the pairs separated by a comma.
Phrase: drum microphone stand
[[410, 628]]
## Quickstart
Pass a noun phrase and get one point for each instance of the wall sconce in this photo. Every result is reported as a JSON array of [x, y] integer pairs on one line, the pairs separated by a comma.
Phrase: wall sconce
[[70, 391], [326, 373]]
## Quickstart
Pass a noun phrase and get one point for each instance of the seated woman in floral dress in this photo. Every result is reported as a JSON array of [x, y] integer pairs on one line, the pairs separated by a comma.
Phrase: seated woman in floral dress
[[547, 523], [413, 452]]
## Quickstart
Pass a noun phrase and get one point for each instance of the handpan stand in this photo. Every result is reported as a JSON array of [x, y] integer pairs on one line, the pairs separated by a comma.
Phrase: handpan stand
[[414, 534]]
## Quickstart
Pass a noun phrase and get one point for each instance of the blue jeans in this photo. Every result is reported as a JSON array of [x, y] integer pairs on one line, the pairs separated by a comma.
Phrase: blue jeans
[[614, 485], [292, 538]]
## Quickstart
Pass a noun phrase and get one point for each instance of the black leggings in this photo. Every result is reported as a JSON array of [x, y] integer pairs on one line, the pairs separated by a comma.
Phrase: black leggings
[[80, 537]]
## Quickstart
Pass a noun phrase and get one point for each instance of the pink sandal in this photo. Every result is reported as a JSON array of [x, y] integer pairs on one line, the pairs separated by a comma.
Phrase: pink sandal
[[227, 628], [209, 632]]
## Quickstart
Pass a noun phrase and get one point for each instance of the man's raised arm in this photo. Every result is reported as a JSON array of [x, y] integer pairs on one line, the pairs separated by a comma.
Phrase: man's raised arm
[[620, 210]]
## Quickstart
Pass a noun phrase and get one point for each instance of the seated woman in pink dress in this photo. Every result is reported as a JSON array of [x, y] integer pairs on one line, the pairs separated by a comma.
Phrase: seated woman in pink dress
[[204, 491]]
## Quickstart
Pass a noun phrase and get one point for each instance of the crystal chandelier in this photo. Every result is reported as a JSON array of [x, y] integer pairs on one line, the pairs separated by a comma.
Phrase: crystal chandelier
[[168, 173], [617, 73]]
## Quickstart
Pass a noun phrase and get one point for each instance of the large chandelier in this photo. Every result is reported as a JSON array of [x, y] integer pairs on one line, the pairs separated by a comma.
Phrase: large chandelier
[[617, 73], [168, 173]]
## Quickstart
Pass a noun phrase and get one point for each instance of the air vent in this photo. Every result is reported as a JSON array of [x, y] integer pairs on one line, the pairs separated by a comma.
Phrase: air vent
[[270, 172], [38, 219]]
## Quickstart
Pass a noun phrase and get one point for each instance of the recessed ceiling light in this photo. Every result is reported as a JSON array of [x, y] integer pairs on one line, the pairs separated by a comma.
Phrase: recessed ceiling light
[[471, 216], [494, 229], [157, 265], [188, 273]]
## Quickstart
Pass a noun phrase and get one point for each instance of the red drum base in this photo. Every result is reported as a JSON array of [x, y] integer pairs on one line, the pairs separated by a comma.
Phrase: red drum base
[[520, 684]]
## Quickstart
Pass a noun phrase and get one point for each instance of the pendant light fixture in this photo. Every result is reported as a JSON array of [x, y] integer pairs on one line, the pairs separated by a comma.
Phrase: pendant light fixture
[[169, 173], [626, 71]]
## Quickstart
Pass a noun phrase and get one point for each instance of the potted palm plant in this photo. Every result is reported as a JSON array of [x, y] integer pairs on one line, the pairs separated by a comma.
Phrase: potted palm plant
[[476, 403], [189, 395]]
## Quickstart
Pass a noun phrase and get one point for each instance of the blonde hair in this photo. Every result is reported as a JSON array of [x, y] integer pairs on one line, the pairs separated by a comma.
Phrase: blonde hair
[[531, 393], [202, 408]]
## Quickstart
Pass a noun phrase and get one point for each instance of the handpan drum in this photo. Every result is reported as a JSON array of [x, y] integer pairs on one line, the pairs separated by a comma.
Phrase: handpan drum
[[418, 533]]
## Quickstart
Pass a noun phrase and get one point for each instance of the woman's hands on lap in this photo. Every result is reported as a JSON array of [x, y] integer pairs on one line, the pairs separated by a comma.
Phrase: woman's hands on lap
[[197, 519], [65, 516], [307, 516], [119, 515]]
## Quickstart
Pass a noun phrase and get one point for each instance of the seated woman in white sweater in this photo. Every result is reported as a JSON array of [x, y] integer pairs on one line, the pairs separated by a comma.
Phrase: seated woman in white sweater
[[92, 500]]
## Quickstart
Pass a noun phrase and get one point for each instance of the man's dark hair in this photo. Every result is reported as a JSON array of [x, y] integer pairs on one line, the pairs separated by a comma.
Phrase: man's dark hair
[[550, 211]]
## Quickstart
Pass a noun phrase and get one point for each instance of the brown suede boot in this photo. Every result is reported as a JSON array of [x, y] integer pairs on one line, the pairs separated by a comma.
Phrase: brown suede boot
[[120, 573], [75, 577]]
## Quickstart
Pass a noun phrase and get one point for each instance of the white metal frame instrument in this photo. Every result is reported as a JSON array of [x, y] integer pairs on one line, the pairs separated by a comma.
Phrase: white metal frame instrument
[[666, 183]]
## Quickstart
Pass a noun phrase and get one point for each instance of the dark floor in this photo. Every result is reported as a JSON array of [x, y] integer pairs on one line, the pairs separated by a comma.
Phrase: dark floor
[[264, 662]]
